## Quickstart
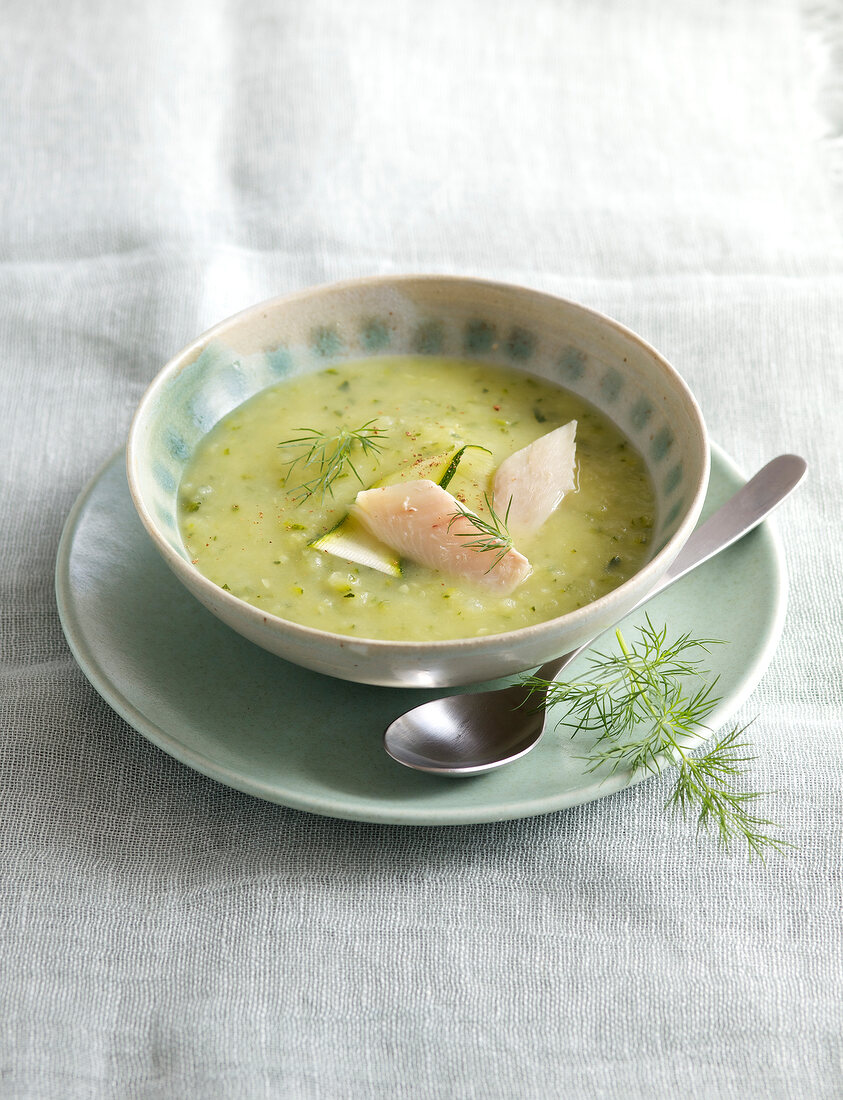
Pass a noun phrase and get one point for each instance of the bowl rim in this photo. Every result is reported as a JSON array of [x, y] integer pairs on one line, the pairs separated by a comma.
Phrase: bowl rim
[[642, 581]]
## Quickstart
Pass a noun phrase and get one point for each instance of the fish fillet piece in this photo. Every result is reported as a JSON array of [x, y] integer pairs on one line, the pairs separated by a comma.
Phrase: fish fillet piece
[[416, 519], [536, 479]]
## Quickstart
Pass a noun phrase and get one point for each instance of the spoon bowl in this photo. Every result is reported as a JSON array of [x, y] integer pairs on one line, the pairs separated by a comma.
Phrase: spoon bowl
[[464, 735], [468, 734]]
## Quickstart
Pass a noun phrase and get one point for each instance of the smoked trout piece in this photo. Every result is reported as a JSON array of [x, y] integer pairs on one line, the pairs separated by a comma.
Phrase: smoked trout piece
[[417, 520], [536, 479]]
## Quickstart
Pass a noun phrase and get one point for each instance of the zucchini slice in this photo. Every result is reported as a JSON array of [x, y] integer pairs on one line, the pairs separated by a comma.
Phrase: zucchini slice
[[350, 540]]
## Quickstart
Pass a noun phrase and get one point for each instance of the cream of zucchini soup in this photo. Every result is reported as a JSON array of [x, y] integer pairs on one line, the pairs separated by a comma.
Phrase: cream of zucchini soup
[[416, 498]]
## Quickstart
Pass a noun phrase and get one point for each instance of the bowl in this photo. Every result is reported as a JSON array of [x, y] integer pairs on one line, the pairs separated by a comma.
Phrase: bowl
[[569, 344]]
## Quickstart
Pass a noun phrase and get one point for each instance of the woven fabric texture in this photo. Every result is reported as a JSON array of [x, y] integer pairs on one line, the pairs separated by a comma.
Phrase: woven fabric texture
[[165, 164]]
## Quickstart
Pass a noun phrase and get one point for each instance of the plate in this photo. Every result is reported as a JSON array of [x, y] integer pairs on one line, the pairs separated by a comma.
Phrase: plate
[[248, 719]]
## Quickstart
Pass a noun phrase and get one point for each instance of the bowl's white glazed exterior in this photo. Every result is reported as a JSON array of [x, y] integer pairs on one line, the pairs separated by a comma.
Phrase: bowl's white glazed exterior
[[566, 343]]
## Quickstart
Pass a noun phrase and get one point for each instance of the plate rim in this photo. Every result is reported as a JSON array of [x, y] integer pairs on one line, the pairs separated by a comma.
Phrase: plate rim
[[408, 815]]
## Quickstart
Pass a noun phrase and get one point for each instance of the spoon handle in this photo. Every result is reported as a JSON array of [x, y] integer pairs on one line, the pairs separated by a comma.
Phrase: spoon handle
[[741, 512]]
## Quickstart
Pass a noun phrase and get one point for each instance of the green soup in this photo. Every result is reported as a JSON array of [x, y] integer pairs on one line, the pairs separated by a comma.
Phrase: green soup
[[248, 525]]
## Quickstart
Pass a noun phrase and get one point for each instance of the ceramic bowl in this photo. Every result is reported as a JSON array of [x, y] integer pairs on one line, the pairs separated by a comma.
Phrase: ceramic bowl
[[566, 343]]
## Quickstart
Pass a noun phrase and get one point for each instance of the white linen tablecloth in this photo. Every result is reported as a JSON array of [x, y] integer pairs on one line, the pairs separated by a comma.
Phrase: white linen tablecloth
[[677, 166]]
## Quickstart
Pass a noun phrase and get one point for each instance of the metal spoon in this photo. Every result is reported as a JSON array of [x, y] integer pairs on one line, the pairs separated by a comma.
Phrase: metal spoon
[[473, 733]]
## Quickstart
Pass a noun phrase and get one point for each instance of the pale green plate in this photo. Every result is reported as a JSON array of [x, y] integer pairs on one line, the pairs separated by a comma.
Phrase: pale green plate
[[248, 719]]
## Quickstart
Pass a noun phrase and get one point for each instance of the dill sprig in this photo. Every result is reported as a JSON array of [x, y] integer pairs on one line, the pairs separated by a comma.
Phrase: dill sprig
[[647, 716], [489, 535], [328, 457]]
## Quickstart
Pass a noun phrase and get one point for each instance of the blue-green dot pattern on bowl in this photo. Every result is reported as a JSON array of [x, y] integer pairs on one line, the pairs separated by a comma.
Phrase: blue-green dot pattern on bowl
[[479, 336], [673, 514], [326, 342], [374, 335], [571, 365], [520, 344], [661, 444], [165, 516], [429, 338], [279, 360], [165, 477], [176, 445], [673, 479], [219, 379], [642, 410], [611, 385]]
